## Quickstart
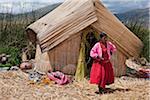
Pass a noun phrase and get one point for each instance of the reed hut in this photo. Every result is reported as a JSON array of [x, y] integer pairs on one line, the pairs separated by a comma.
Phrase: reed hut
[[59, 34]]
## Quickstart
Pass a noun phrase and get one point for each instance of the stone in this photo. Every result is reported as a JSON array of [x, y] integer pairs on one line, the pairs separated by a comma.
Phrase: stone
[[25, 66], [14, 68], [70, 69], [131, 64], [4, 60], [143, 61]]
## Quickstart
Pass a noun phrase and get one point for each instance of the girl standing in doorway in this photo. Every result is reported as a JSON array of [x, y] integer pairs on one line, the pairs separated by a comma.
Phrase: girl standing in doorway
[[102, 71]]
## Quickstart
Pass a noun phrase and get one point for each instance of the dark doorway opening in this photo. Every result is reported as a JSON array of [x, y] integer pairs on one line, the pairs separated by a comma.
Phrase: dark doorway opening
[[91, 40]]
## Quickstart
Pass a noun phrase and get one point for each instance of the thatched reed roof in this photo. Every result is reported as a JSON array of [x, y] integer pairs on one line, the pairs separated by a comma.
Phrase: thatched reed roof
[[75, 15]]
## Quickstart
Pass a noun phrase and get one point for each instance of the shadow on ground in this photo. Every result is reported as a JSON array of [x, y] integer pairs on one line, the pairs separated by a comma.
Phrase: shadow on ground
[[110, 90]]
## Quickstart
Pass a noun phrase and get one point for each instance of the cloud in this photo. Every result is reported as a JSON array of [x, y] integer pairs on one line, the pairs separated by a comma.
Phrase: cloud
[[17, 6], [6, 7], [41, 1], [116, 6], [119, 6], [125, 0]]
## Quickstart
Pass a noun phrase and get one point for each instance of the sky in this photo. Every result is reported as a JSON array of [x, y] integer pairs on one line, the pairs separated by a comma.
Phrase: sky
[[116, 6], [126, 5]]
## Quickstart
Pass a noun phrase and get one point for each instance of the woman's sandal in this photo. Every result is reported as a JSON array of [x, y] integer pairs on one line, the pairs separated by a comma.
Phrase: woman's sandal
[[100, 92], [97, 92]]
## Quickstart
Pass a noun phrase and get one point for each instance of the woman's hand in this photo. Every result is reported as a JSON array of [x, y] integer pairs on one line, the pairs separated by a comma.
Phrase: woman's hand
[[98, 58], [102, 58]]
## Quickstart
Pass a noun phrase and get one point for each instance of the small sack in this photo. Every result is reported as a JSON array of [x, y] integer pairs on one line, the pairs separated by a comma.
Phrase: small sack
[[25, 65]]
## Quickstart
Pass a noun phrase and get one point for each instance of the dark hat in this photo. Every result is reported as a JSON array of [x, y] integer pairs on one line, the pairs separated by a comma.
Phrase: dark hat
[[102, 34]]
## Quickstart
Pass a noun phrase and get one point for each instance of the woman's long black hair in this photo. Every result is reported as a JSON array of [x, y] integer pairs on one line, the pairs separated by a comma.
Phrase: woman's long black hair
[[102, 34]]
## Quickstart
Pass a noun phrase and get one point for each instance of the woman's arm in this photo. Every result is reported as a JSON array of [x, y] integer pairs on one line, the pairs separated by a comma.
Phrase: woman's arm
[[93, 52], [112, 47], [96, 52]]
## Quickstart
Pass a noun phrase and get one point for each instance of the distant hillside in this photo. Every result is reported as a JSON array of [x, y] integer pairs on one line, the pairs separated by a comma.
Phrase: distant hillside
[[140, 16], [42, 11], [34, 15]]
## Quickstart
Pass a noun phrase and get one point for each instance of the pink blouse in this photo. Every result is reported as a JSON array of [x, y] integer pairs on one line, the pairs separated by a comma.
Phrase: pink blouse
[[96, 51]]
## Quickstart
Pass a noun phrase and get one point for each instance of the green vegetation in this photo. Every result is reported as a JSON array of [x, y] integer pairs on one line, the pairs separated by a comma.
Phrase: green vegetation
[[15, 55], [143, 34], [13, 38], [5, 65]]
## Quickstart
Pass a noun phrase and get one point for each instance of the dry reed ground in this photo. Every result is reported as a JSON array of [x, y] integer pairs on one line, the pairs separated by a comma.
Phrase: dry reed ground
[[16, 86]]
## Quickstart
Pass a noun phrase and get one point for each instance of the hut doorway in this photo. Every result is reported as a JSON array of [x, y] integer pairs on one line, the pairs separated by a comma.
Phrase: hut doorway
[[88, 39], [91, 38]]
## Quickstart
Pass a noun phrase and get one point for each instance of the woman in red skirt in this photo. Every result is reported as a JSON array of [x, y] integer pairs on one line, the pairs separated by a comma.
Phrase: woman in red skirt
[[102, 72]]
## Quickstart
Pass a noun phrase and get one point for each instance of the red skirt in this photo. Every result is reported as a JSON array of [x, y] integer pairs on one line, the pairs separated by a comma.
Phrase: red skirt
[[102, 73]]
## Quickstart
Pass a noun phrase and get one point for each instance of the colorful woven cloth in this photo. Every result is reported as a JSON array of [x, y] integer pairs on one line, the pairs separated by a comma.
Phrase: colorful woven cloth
[[58, 77]]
